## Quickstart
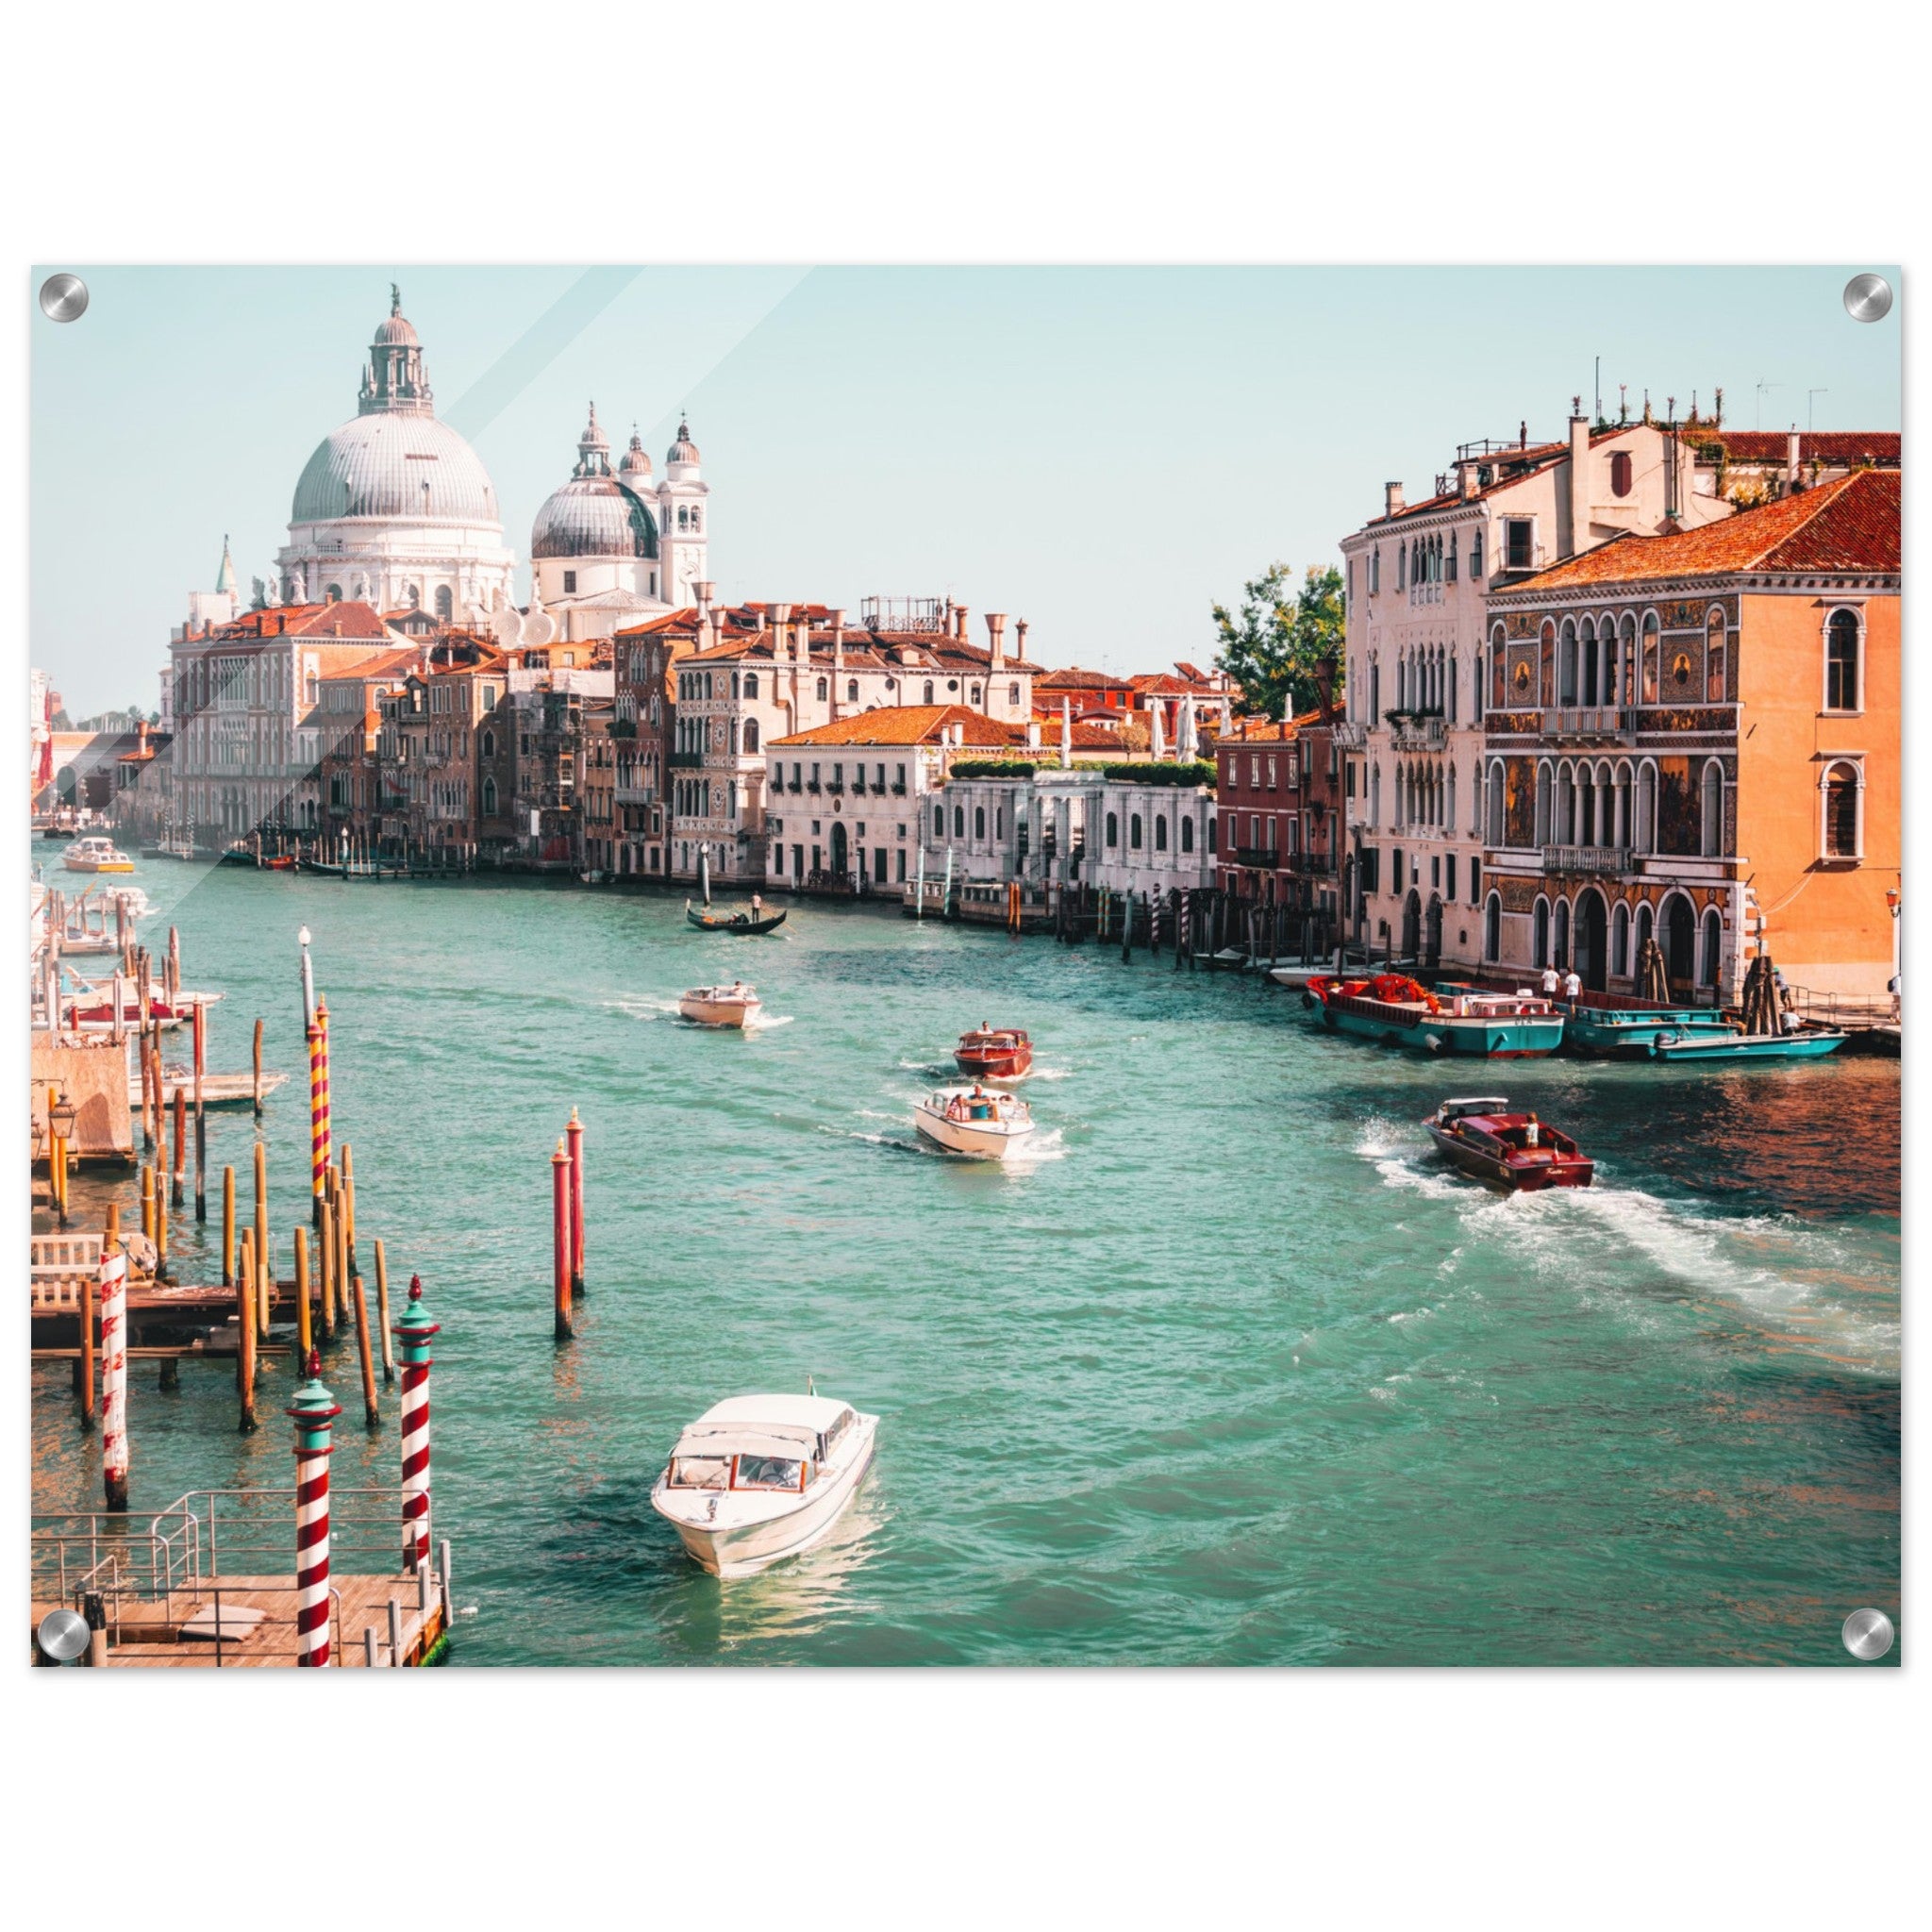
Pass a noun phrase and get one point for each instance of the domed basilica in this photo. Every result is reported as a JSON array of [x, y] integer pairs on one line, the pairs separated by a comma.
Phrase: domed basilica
[[395, 510]]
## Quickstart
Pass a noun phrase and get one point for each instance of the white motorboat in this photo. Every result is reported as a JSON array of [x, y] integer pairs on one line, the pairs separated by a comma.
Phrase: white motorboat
[[95, 855], [759, 1477], [974, 1120], [735, 1005]]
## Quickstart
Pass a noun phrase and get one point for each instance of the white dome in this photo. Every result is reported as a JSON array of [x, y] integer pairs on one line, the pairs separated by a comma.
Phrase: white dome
[[394, 464]]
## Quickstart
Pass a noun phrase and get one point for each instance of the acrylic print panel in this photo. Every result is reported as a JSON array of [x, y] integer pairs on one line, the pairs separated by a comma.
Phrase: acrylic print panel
[[891, 966]]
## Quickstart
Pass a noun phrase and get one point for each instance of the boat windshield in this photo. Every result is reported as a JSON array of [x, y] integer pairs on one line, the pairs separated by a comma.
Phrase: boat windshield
[[700, 1471], [769, 1472]]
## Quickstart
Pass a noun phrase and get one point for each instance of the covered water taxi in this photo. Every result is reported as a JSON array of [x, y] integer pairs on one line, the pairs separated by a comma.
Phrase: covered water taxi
[[1509, 1150], [758, 1478], [736, 1004], [1396, 1010], [975, 1121], [994, 1053], [95, 855]]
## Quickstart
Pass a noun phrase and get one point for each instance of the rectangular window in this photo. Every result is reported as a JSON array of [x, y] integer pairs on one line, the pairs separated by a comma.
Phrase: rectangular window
[[1476, 881], [1449, 875], [570, 582], [1397, 878], [1520, 535], [1254, 772], [1271, 771]]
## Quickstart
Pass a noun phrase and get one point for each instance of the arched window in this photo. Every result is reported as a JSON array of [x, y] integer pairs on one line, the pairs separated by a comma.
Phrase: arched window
[[708, 685], [958, 821], [1539, 935], [751, 684], [751, 734], [333, 594], [489, 797], [734, 684], [1492, 927], [1565, 821], [1134, 830], [927, 698], [1841, 661], [1620, 941], [1187, 835], [825, 689], [1449, 799], [1710, 804], [1496, 801], [1546, 646], [1160, 835], [490, 744], [852, 691], [1541, 834], [1566, 665], [1715, 687], [1620, 473], [1646, 808], [979, 821], [939, 821], [1560, 946], [1842, 811], [1650, 651], [1644, 933], [1708, 952], [973, 694], [1113, 830]]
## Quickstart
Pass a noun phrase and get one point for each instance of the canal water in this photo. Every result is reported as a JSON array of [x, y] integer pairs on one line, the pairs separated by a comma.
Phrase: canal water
[[1231, 1369]]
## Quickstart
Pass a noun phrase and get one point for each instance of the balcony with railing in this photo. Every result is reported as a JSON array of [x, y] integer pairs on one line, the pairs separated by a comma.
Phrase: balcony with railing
[[687, 760], [1589, 723], [1602, 860], [1418, 734], [1350, 734]]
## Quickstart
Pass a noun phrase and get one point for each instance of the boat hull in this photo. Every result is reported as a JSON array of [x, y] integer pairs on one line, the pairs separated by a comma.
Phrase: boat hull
[[1751, 1047], [743, 1550], [1614, 1034], [737, 1013], [981, 1140], [1560, 1171], [1013, 1063], [1498, 1038]]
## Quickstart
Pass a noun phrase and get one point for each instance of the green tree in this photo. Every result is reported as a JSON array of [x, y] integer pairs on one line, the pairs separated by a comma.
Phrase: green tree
[[1273, 646]]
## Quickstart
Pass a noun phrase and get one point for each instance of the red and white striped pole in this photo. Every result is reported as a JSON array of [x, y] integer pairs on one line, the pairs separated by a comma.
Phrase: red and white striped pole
[[313, 1411], [574, 1134], [560, 1236], [114, 1366], [412, 1336]]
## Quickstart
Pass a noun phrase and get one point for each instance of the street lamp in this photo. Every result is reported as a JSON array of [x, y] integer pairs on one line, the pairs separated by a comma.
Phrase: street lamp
[[307, 980]]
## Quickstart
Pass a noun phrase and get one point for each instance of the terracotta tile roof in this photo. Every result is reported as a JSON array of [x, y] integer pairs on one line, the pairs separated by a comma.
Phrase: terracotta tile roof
[[345, 621], [1850, 523], [910, 725], [1074, 678], [1829, 446]]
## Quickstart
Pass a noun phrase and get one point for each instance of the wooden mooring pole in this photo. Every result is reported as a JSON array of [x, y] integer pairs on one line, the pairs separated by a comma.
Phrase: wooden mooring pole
[[228, 1228], [178, 1191], [574, 1134], [304, 1338], [388, 1361], [325, 1261], [244, 1349], [84, 1368], [374, 1415], [258, 1070], [200, 1120]]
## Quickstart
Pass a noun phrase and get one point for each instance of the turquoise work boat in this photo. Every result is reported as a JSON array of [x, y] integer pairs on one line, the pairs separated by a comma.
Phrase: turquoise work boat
[[1809, 1045], [1393, 1010], [1630, 1032]]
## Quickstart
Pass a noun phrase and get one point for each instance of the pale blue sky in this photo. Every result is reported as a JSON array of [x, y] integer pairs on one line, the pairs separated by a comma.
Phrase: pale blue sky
[[1104, 452]]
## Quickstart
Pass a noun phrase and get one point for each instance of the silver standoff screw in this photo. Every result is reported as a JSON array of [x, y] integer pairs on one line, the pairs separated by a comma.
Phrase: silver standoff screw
[[1868, 1634]]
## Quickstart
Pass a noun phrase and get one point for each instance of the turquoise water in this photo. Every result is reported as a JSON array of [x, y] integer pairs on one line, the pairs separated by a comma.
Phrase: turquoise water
[[1231, 1371]]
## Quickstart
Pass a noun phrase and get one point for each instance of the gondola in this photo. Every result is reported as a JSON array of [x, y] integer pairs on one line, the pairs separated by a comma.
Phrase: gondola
[[739, 923]]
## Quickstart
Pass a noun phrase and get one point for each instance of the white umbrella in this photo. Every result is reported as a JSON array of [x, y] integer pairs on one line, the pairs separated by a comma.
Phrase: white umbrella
[[1066, 734], [1158, 718]]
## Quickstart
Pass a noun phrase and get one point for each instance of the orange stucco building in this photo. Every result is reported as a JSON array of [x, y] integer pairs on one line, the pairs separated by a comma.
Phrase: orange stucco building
[[1697, 735]]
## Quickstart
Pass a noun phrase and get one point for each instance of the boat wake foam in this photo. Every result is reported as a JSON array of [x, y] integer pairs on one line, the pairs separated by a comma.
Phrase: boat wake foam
[[763, 1023]]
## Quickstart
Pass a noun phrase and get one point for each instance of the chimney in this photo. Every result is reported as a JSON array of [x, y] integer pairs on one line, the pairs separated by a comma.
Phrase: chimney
[[1392, 498], [1465, 480], [996, 641], [702, 591], [1791, 458], [1576, 522], [959, 616], [1033, 734], [140, 736], [1020, 642]]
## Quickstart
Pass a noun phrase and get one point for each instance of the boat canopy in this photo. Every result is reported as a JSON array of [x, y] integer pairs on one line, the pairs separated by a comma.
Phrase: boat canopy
[[744, 1438], [761, 1425]]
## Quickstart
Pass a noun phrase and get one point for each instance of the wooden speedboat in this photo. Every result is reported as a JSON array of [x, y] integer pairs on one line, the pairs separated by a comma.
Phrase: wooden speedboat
[[994, 1053], [1811, 1044], [1393, 1008], [95, 855], [741, 923], [1509, 1150], [721, 1006], [761, 1478], [971, 1119]]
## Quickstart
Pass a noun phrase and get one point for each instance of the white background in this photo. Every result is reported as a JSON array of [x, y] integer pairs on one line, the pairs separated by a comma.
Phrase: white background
[[994, 133]]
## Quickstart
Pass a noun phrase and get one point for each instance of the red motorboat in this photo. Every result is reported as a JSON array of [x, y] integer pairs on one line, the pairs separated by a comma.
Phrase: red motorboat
[[1509, 1150], [994, 1053]]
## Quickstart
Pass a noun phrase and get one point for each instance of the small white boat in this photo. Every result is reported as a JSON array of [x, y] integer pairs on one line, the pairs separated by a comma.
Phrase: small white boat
[[974, 1120], [759, 1477], [721, 1006], [95, 855]]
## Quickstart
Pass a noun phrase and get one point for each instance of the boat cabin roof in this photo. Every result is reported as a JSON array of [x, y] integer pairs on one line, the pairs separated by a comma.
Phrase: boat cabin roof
[[761, 1425], [1487, 1104]]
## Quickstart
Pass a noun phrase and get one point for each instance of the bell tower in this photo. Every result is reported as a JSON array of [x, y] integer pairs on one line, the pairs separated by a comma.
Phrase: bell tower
[[684, 517]]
